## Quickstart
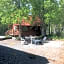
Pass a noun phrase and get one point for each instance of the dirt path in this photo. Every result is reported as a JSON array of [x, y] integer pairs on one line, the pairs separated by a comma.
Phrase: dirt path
[[53, 51]]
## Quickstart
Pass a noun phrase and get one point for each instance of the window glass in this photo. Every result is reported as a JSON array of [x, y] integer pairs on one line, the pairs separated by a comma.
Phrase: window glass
[[24, 28]]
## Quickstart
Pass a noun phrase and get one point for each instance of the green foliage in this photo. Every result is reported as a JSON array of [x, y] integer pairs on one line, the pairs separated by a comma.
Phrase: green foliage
[[51, 12], [55, 37], [2, 29], [10, 12]]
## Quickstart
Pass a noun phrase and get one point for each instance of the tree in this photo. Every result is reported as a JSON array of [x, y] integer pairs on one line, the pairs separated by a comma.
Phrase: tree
[[12, 10], [49, 11], [45, 10], [51, 7], [38, 10]]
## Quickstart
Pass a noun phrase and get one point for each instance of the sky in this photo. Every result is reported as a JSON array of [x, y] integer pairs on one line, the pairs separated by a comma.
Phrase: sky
[[57, 0]]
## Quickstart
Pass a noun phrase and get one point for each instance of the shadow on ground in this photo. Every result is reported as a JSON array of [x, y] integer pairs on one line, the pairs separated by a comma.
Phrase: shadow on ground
[[12, 56]]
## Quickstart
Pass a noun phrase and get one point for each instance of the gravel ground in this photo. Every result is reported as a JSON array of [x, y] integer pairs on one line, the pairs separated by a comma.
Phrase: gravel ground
[[13, 52]]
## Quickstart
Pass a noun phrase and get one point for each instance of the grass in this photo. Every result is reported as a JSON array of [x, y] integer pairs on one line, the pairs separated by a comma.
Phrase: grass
[[54, 37]]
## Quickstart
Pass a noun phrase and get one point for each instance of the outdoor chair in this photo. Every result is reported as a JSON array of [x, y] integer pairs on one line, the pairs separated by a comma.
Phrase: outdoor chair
[[39, 41], [22, 40], [27, 40], [44, 38]]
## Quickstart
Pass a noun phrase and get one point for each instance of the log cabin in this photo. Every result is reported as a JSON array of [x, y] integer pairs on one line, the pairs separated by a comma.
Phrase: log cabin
[[27, 28]]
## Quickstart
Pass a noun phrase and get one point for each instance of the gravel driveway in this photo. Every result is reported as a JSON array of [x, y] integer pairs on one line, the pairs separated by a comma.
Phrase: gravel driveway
[[13, 52]]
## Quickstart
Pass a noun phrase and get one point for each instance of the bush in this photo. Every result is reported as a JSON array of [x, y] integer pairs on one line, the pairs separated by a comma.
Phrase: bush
[[56, 37], [17, 38], [3, 29]]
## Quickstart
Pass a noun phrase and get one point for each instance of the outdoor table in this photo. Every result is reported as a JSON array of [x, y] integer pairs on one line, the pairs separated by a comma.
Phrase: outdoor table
[[36, 41]]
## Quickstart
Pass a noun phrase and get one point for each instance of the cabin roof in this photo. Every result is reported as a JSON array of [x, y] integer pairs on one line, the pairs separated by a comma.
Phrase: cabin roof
[[36, 22]]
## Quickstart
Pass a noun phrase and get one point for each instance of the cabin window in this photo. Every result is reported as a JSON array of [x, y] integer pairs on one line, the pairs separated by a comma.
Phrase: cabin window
[[24, 29]]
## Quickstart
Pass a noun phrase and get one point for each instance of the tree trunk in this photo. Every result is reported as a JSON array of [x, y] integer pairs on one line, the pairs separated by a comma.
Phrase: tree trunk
[[43, 29], [49, 27], [20, 31]]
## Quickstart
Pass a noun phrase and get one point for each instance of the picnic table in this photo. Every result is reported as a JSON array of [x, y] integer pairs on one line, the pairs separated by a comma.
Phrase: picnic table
[[35, 40]]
